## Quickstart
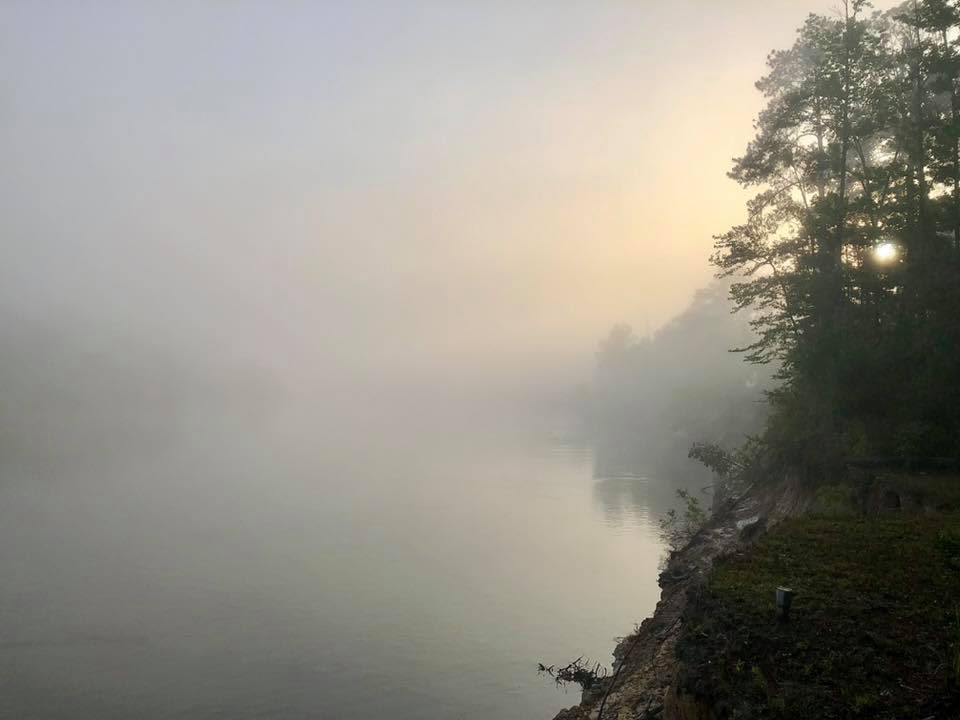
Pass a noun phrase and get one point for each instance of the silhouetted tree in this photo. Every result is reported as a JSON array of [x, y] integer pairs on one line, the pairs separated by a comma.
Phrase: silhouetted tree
[[848, 258]]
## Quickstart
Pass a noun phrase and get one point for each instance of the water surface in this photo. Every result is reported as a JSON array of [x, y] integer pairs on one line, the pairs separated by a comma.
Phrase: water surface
[[318, 573]]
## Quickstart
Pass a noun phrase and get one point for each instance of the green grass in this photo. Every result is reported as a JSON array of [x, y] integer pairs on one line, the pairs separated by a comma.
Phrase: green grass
[[874, 631]]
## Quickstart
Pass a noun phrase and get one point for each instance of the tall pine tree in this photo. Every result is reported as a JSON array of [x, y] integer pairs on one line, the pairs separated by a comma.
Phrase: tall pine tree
[[849, 254]]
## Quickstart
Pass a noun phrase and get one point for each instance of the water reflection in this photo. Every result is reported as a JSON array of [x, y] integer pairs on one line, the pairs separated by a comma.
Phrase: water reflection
[[636, 488]]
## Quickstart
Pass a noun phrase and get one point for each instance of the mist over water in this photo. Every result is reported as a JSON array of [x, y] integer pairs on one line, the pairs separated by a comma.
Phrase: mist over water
[[293, 297], [289, 568], [189, 534]]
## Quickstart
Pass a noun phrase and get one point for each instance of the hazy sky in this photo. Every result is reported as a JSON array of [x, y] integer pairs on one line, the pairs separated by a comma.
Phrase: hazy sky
[[422, 185]]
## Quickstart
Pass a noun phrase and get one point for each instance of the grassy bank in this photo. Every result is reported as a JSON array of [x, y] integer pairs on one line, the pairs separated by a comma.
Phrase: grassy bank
[[874, 630]]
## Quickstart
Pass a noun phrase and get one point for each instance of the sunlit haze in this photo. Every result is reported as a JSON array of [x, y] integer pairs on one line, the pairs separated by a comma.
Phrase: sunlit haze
[[412, 187], [373, 359], [885, 252]]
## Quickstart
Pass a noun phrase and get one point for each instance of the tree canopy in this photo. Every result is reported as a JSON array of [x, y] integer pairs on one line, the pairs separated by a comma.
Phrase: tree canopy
[[848, 257]]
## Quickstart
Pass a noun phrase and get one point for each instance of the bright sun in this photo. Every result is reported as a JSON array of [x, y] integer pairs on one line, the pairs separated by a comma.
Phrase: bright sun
[[885, 252]]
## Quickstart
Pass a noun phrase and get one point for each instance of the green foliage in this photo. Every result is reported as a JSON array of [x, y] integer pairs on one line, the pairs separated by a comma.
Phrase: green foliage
[[676, 528], [735, 472], [858, 148], [713, 457], [658, 394]]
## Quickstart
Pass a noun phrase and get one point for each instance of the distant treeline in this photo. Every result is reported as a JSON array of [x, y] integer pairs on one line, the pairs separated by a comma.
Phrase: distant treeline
[[660, 394], [76, 393]]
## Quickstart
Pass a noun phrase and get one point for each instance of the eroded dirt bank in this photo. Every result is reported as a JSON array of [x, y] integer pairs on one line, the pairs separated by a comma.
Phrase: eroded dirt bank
[[653, 683], [641, 690]]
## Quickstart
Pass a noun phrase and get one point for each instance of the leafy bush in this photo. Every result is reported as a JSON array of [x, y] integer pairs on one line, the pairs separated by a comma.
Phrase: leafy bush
[[676, 529]]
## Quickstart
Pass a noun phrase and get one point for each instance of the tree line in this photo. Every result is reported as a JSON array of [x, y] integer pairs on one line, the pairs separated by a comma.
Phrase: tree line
[[653, 396], [847, 261]]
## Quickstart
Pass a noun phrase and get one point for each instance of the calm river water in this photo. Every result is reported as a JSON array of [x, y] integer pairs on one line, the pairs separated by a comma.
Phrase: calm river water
[[327, 574]]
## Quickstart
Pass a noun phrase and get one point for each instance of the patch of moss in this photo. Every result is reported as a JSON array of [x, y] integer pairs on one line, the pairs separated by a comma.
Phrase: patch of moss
[[874, 630]]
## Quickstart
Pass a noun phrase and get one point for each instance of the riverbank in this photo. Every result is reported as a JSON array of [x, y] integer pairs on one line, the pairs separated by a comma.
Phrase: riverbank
[[872, 557]]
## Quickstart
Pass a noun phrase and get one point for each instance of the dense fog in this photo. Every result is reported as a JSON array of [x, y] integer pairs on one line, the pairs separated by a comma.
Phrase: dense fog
[[298, 302], [326, 194]]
